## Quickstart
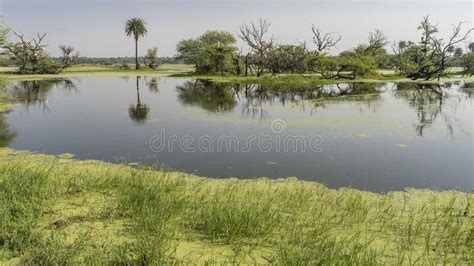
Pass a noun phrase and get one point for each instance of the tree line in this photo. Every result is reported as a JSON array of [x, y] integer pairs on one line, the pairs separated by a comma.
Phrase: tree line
[[30, 55], [216, 52], [430, 58]]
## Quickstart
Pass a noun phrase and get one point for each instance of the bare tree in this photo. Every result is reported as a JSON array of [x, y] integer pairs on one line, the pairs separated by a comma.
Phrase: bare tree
[[27, 52], [31, 57], [431, 60], [255, 36], [377, 40], [443, 49], [324, 41], [68, 56]]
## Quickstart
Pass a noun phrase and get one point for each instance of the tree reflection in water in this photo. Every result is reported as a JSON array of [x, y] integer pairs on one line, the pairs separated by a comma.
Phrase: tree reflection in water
[[36, 92], [138, 112], [428, 101], [210, 96], [224, 97], [153, 85], [31, 93], [468, 89]]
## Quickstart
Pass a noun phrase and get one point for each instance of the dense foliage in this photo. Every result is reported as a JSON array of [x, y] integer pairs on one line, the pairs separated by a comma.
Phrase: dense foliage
[[210, 53]]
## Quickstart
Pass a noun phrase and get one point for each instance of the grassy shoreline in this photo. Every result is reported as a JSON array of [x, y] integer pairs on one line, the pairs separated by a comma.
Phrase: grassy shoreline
[[186, 71], [57, 210]]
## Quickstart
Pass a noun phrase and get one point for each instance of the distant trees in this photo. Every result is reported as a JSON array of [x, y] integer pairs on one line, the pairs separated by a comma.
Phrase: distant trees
[[30, 57], [467, 60], [125, 60], [211, 52], [4, 30], [136, 27]]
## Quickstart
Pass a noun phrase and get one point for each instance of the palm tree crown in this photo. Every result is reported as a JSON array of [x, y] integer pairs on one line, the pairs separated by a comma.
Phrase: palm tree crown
[[136, 27]]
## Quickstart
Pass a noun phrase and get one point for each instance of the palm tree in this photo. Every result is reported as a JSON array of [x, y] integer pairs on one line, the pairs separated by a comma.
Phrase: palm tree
[[137, 28]]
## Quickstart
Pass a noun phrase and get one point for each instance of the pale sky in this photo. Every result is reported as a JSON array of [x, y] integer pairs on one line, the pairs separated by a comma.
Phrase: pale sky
[[95, 28]]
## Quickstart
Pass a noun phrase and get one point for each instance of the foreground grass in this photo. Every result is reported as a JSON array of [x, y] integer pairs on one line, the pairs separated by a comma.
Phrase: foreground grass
[[55, 210]]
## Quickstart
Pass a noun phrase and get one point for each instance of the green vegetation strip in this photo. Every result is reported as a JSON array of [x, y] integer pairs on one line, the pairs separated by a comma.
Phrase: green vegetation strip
[[97, 71], [187, 71], [56, 210]]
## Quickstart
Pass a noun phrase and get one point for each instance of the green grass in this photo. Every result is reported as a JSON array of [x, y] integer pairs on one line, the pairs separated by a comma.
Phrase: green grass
[[55, 210], [299, 80], [187, 71], [99, 71]]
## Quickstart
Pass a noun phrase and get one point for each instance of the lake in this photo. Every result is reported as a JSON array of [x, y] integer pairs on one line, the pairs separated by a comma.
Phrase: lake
[[372, 136]]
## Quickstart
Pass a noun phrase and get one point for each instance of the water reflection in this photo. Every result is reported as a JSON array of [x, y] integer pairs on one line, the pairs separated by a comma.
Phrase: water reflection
[[153, 85], [313, 96], [379, 120], [36, 92], [224, 97], [428, 101], [468, 89], [138, 112], [210, 96], [6, 134]]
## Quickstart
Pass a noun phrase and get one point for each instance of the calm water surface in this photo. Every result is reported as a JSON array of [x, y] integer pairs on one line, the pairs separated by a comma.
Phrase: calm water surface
[[371, 136]]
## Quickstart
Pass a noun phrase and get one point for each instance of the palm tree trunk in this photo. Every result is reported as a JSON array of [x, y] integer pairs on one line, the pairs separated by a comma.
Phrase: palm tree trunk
[[138, 91], [136, 54]]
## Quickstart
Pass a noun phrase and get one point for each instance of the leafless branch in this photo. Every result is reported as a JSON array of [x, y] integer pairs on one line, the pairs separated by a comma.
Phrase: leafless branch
[[324, 41]]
